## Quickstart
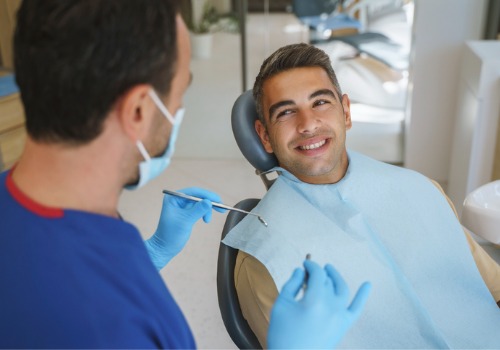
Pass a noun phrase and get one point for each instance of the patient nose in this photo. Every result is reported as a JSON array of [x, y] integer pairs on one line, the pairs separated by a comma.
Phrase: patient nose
[[307, 122]]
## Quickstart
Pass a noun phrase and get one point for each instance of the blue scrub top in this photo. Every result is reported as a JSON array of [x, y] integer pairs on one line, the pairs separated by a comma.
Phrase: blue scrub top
[[73, 279]]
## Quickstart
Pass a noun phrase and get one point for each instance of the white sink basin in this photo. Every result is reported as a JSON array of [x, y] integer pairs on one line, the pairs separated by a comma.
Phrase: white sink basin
[[481, 213]]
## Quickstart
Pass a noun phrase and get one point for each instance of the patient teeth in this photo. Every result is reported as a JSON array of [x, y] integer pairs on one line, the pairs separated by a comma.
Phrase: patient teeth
[[313, 146]]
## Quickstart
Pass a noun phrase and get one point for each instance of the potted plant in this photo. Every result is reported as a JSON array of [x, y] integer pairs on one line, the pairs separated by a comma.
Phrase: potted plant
[[201, 30]]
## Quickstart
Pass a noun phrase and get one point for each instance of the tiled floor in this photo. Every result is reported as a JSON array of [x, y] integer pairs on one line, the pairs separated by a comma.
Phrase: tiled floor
[[191, 276]]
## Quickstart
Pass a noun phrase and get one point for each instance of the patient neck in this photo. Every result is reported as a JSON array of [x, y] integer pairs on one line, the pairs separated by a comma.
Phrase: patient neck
[[317, 173]]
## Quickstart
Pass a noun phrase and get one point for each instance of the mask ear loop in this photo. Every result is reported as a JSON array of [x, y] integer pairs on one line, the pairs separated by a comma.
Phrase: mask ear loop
[[161, 106], [143, 151]]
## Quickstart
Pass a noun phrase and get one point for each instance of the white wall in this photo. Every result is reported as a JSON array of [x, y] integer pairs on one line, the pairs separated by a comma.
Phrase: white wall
[[441, 28], [476, 125]]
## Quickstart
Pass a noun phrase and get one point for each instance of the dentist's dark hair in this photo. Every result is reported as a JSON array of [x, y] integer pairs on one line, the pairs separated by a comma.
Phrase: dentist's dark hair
[[73, 59], [289, 57]]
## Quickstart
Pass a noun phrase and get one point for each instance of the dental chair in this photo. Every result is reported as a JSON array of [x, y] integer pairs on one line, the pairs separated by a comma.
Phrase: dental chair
[[243, 117], [309, 8], [229, 305], [327, 24], [323, 20]]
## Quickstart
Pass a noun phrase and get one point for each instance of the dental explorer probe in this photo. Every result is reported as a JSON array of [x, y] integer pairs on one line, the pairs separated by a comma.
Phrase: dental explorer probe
[[215, 204]]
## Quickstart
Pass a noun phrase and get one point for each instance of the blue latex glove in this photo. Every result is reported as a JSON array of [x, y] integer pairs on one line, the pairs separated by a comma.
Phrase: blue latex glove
[[320, 319], [178, 215]]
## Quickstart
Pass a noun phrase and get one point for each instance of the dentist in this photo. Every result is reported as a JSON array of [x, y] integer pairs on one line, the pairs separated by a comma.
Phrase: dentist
[[102, 84]]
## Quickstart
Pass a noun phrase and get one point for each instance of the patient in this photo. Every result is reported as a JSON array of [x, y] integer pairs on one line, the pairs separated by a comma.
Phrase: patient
[[433, 285]]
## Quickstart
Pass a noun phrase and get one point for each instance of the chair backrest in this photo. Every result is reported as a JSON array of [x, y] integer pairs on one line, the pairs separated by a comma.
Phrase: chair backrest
[[236, 325], [243, 117]]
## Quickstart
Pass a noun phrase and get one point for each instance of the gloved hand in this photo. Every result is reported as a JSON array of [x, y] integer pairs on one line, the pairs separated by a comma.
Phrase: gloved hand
[[321, 317], [178, 215]]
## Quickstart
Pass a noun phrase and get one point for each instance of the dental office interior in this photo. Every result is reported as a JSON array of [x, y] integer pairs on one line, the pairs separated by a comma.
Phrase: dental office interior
[[423, 77]]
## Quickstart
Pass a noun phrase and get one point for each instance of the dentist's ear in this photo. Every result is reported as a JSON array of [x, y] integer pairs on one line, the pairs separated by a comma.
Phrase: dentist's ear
[[135, 111], [346, 106], [263, 135]]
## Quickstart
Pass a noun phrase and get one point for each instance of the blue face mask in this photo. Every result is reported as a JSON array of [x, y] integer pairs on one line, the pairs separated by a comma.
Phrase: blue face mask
[[150, 168]]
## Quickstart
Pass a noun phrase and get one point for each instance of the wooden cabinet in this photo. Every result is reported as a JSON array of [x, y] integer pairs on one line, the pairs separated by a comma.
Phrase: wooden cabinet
[[8, 9], [12, 130]]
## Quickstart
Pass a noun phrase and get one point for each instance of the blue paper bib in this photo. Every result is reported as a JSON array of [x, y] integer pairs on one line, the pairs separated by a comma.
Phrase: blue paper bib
[[390, 226]]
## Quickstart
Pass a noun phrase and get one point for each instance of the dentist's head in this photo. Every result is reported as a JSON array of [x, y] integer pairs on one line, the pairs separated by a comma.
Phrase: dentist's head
[[106, 77]]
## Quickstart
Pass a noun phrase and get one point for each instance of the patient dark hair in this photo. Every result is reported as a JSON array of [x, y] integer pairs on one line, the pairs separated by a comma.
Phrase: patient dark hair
[[74, 58], [289, 57]]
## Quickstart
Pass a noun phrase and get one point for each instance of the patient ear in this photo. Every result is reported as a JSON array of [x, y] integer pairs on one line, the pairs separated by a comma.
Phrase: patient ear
[[346, 106], [263, 135]]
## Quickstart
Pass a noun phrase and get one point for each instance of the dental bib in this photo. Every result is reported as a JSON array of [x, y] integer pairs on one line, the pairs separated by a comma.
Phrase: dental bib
[[390, 226]]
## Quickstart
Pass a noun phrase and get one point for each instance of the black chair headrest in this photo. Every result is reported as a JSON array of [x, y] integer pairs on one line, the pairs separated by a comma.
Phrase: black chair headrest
[[243, 117]]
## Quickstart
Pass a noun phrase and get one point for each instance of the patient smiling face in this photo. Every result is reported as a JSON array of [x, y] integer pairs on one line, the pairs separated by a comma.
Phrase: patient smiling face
[[306, 123]]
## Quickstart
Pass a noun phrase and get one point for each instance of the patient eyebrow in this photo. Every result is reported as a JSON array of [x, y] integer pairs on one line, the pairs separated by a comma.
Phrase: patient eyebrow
[[277, 105], [317, 93], [322, 92]]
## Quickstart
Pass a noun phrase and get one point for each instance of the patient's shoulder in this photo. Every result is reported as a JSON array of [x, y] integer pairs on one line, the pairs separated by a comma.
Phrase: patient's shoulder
[[252, 276], [248, 263], [438, 186]]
